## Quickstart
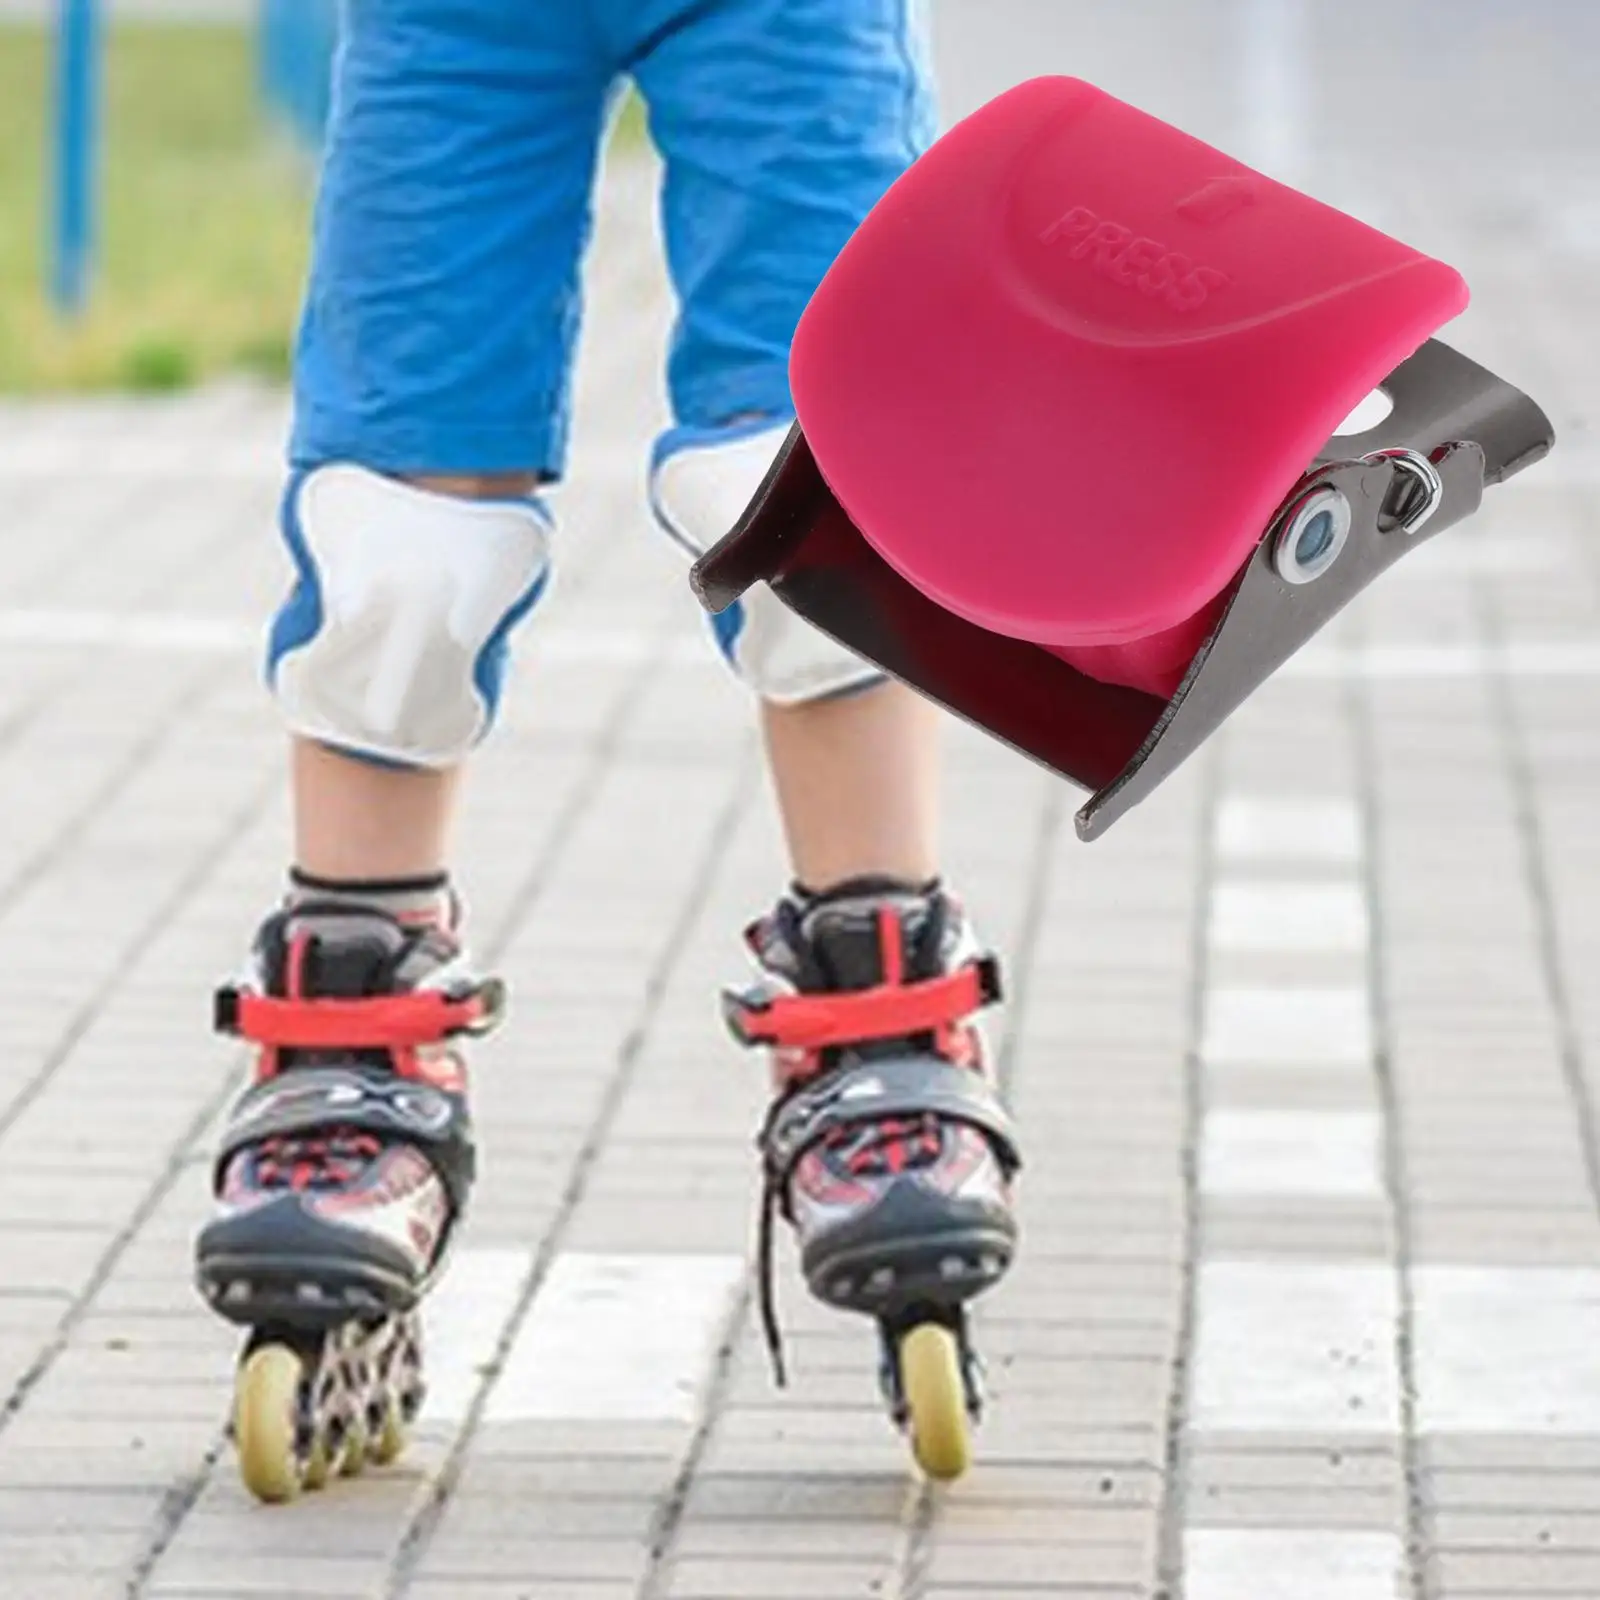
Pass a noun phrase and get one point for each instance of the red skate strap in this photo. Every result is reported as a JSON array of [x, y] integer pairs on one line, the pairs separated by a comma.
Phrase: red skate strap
[[1066, 371], [852, 1016], [385, 1022]]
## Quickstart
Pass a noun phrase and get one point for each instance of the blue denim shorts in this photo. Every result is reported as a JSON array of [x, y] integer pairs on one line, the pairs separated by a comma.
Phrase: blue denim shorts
[[454, 207]]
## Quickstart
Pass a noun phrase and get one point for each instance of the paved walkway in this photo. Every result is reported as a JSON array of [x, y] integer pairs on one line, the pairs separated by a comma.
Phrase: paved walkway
[[1306, 1050]]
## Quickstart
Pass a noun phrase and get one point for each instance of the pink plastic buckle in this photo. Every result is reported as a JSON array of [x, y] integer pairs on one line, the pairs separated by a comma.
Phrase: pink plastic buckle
[[1071, 377], [1063, 374]]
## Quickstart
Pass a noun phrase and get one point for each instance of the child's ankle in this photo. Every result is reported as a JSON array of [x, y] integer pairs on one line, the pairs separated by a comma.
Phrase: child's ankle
[[426, 898]]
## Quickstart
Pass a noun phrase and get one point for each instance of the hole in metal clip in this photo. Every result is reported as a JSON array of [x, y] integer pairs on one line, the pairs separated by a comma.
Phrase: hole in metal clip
[[1369, 412], [1315, 539]]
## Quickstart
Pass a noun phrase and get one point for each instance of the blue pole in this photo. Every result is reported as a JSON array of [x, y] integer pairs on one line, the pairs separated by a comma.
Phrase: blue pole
[[295, 43], [272, 22], [77, 150], [322, 42]]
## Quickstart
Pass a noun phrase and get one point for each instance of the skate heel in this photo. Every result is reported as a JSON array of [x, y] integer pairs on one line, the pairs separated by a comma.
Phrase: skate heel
[[278, 1263], [913, 1248]]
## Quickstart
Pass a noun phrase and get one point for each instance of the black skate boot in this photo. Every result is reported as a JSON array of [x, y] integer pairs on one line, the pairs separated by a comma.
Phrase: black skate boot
[[343, 1173], [887, 1147]]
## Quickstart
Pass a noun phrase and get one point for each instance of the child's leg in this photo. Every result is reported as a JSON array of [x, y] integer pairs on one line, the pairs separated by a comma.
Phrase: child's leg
[[358, 821], [857, 779], [430, 397], [782, 122]]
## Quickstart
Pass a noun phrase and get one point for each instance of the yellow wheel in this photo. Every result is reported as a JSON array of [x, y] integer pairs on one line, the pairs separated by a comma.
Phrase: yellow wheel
[[265, 1413], [353, 1454], [390, 1443], [316, 1473], [936, 1398]]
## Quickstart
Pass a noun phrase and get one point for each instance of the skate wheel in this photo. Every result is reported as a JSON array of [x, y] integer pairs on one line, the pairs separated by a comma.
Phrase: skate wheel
[[353, 1457], [936, 1400], [389, 1443], [265, 1420], [316, 1473]]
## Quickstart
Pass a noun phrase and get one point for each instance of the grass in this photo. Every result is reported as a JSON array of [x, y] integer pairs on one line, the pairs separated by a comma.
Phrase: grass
[[204, 217], [203, 220]]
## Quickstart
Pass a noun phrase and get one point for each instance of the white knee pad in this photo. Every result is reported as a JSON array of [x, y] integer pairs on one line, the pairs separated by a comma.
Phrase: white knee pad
[[700, 485], [393, 644]]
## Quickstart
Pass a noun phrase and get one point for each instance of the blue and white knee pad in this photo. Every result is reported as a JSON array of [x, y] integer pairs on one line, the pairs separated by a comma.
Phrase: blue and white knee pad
[[393, 643], [701, 480]]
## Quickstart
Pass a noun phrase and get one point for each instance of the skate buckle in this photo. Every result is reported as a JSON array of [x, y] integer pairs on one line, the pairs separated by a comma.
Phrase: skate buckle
[[820, 1020], [1144, 474], [382, 1022]]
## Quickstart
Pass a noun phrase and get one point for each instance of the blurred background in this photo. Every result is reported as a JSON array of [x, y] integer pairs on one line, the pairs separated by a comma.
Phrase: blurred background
[[154, 179], [157, 161], [157, 156]]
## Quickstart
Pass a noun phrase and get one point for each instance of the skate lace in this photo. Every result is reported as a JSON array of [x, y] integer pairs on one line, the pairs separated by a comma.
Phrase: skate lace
[[886, 1149], [766, 1278], [306, 1162]]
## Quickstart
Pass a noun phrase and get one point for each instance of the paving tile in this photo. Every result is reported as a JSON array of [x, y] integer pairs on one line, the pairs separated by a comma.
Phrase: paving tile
[[1375, 891]]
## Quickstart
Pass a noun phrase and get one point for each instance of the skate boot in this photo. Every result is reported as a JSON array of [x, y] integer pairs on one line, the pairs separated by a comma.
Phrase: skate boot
[[886, 1147], [343, 1173]]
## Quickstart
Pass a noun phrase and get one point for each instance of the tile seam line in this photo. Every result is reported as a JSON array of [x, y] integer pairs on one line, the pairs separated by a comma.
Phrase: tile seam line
[[1356, 706], [1174, 1499], [1531, 840]]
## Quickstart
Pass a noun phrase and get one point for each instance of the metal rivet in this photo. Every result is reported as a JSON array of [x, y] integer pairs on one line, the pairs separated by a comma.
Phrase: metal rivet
[[1310, 541]]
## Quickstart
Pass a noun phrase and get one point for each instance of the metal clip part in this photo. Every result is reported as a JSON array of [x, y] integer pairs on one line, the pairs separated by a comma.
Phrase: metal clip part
[[1424, 476]]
